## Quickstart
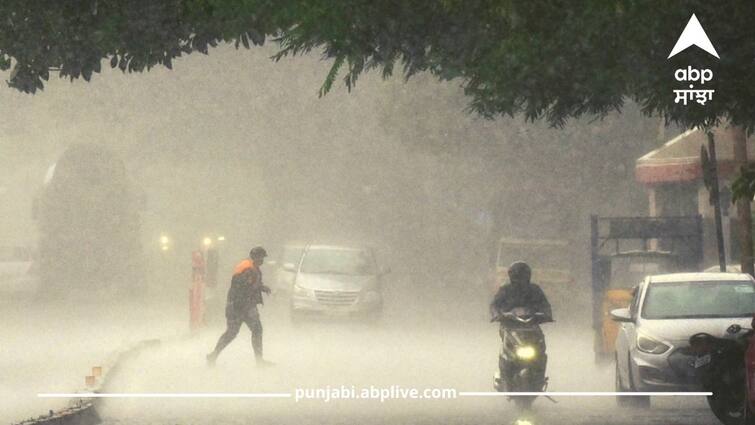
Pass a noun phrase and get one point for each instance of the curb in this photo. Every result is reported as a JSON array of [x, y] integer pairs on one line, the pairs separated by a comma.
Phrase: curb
[[82, 411]]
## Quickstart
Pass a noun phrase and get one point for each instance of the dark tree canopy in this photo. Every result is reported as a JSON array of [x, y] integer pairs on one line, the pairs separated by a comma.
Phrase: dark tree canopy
[[551, 59]]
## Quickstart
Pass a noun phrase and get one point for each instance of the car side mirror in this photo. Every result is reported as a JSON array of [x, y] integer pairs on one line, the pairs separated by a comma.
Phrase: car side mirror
[[622, 315], [289, 267]]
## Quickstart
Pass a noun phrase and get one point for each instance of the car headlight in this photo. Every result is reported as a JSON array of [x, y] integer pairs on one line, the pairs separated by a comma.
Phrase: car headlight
[[300, 292], [526, 352], [650, 345]]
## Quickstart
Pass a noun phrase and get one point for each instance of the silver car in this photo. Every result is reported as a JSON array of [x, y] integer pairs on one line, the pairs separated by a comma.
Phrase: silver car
[[665, 311], [336, 280], [283, 277]]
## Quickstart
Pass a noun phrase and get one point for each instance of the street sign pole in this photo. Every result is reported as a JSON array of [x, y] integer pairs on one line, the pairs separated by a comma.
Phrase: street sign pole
[[715, 199]]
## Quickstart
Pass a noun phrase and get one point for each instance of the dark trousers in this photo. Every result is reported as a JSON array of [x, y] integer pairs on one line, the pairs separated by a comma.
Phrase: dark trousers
[[233, 325]]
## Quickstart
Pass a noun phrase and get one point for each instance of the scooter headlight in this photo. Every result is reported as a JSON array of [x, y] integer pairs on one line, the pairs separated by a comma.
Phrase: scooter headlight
[[526, 352]]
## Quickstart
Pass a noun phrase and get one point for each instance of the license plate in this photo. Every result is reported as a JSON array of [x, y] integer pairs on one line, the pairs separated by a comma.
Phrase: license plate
[[702, 361]]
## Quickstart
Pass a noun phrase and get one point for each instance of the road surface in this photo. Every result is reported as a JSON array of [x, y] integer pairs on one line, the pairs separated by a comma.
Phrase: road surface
[[432, 344], [427, 340]]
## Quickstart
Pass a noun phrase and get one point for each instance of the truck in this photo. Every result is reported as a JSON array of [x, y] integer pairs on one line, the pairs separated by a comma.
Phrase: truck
[[550, 260], [89, 224]]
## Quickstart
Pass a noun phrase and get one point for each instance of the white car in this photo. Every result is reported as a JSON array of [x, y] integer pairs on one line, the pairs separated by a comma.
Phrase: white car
[[16, 270], [666, 310], [283, 276], [337, 280]]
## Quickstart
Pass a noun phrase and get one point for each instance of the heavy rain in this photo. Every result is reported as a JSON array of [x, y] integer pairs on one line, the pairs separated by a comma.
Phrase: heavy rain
[[390, 215]]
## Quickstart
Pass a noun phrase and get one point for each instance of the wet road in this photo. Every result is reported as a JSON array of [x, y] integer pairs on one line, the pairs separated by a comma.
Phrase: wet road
[[51, 345], [435, 346]]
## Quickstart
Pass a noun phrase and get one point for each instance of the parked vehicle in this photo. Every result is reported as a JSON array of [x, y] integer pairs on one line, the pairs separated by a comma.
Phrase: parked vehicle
[[619, 244], [522, 358], [652, 345], [336, 280], [750, 374], [17, 270], [88, 214], [626, 270], [720, 368]]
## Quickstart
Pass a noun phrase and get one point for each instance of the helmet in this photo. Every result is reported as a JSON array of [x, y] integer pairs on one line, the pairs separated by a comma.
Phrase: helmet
[[519, 271], [258, 252]]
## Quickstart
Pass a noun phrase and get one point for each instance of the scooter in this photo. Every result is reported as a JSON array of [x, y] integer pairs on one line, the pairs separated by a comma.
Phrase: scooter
[[721, 369], [522, 359]]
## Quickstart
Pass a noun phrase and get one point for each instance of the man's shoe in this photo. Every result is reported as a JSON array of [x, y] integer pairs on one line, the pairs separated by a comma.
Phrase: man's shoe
[[211, 359], [264, 363]]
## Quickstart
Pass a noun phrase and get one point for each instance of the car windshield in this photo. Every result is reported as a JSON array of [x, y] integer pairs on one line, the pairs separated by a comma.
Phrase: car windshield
[[337, 261], [678, 300], [291, 255]]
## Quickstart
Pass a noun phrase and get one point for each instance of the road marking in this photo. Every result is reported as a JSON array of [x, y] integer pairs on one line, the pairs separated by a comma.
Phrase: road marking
[[461, 394], [164, 395], [581, 394]]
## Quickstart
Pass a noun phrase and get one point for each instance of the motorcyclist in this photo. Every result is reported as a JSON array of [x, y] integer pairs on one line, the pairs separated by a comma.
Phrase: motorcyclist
[[243, 297], [520, 293], [520, 297]]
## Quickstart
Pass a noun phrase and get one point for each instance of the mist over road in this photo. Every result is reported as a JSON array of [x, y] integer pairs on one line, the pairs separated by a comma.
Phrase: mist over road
[[429, 342]]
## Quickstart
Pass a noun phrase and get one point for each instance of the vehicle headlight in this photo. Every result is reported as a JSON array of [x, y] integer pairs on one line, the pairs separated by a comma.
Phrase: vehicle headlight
[[164, 243], [300, 292], [650, 345], [526, 352]]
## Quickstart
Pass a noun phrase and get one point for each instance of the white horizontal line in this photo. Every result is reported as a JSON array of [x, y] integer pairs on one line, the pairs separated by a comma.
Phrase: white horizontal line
[[581, 394], [461, 394], [164, 395]]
